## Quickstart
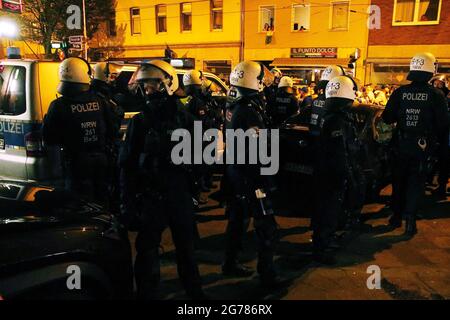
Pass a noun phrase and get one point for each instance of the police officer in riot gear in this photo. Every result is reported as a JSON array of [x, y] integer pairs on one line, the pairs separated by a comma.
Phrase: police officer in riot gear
[[82, 125], [335, 170], [102, 86], [197, 105], [314, 115], [318, 104], [286, 103], [443, 153], [270, 91], [420, 112], [163, 189], [250, 190]]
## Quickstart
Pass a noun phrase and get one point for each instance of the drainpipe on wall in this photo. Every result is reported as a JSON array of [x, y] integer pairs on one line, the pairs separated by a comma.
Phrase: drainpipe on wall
[[241, 49]]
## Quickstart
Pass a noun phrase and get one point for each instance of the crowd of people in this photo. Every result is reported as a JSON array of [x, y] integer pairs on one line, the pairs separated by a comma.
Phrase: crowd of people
[[156, 193]]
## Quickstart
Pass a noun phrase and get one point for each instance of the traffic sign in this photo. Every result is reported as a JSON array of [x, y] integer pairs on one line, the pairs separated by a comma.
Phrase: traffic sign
[[76, 46], [76, 39]]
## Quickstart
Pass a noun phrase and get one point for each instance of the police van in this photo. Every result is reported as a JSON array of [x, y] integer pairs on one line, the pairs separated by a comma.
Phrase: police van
[[26, 89]]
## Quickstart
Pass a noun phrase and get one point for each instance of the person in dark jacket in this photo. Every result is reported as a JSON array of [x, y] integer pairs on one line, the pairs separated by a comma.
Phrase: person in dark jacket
[[156, 189], [286, 103], [81, 124], [420, 114], [336, 170]]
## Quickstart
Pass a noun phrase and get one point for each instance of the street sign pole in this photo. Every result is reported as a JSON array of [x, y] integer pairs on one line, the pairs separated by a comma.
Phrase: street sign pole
[[85, 31]]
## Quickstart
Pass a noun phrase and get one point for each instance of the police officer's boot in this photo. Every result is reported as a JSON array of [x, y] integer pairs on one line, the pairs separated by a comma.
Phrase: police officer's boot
[[270, 280], [411, 228], [324, 256], [395, 221], [233, 268], [440, 192], [147, 275]]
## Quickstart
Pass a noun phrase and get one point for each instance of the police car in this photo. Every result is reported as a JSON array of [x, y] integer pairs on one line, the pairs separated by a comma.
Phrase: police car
[[26, 89]]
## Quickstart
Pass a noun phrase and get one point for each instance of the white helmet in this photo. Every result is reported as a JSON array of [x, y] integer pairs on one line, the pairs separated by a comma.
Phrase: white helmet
[[249, 75], [341, 87], [286, 82], [443, 78], [276, 72], [332, 72], [193, 77], [158, 70], [102, 71], [424, 62], [74, 71]]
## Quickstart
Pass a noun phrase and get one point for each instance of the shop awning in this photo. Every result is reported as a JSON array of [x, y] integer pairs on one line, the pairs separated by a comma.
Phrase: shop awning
[[308, 62]]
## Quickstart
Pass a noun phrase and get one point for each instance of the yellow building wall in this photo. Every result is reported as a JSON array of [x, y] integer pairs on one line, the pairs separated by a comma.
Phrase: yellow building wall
[[319, 34], [201, 43], [405, 51]]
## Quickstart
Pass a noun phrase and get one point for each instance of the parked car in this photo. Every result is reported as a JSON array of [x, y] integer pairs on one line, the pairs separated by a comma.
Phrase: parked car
[[296, 173], [48, 234]]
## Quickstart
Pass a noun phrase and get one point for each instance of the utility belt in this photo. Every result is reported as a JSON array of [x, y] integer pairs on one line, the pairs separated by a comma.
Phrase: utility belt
[[254, 197], [416, 142]]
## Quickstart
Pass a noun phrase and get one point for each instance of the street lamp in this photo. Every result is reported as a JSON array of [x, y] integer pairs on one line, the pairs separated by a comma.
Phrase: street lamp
[[8, 29]]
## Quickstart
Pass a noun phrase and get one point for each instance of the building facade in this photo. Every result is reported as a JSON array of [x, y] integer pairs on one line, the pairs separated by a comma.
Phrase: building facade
[[406, 28], [303, 37], [209, 31]]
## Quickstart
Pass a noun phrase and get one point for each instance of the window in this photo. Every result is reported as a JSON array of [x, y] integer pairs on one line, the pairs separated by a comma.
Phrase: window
[[186, 16], [217, 14], [135, 20], [161, 18], [339, 17], [267, 18], [412, 12], [300, 17], [12, 90]]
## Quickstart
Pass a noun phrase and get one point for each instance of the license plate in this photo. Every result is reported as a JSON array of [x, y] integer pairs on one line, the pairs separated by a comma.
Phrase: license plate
[[2, 144], [299, 168]]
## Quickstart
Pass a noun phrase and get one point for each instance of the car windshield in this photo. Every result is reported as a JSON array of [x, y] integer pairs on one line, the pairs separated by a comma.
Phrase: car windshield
[[12, 90]]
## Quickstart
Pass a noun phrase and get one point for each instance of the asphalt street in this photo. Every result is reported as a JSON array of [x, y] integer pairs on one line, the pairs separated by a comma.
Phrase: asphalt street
[[417, 268]]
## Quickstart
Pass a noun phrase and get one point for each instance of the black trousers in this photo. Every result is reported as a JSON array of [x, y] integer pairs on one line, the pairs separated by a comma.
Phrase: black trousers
[[329, 200], [408, 185], [173, 209], [87, 175], [240, 208], [444, 160]]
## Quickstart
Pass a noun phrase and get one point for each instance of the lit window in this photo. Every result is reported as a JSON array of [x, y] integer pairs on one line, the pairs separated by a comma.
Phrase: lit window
[[186, 16], [161, 18], [339, 18], [300, 17], [411, 12], [217, 14], [267, 18], [135, 16]]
